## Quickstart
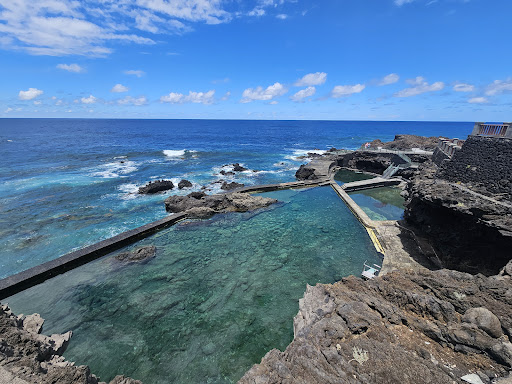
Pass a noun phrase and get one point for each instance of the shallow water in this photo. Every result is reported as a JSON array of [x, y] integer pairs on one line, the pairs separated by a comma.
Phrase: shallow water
[[383, 203], [218, 295], [347, 176]]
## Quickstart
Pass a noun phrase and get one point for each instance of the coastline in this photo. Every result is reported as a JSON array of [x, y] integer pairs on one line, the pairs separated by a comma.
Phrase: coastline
[[388, 235]]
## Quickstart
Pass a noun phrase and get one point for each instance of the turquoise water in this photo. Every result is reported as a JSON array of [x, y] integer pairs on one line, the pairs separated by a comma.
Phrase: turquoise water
[[383, 203], [68, 183], [218, 295], [347, 176]]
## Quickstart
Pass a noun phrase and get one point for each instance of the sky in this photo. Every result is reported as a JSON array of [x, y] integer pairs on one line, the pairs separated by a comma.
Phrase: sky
[[436, 60]]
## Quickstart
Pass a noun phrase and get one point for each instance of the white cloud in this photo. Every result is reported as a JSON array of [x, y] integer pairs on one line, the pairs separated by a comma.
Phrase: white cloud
[[302, 94], [37, 102], [419, 86], [258, 12], [274, 102], [226, 96], [118, 88], [134, 72], [59, 102], [32, 93], [392, 78], [142, 100], [347, 90], [71, 68], [9, 109], [192, 97], [317, 78], [60, 27], [282, 16], [274, 90], [402, 2], [478, 100], [461, 87], [88, 100], [498, 87]]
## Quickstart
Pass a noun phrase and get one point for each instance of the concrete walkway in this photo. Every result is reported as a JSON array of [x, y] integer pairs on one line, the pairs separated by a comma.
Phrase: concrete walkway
[[370, 183]]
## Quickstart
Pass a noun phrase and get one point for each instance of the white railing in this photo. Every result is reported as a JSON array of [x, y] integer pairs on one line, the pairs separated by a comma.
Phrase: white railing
[[497, 130]]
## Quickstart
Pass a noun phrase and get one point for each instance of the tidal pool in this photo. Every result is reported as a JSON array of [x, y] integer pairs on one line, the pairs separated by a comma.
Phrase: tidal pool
[[383, 203], [347, 176], [218, 295]]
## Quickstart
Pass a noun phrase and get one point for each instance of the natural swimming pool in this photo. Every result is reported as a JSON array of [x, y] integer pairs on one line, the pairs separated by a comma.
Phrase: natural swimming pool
[[383, 203], [347, 176], [218, 295]]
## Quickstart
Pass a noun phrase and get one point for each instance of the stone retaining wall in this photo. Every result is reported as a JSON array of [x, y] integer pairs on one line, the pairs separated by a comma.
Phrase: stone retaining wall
[[484, 162]]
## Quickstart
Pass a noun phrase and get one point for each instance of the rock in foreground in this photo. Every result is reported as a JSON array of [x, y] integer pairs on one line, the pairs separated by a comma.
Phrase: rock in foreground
[[29, 357], [200, 205], [425, 327]]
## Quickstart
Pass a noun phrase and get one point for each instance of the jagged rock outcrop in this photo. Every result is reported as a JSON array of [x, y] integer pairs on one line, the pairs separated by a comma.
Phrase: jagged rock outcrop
[[469, 231], [367, 161], [200, 205], [156, 186], [403, 142], [305, 173], [26, 356], [404, 327], [184, 184], [230, 186], [137, 255]]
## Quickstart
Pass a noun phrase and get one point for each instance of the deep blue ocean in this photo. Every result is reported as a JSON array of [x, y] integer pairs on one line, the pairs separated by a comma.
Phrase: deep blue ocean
[[67, 183]]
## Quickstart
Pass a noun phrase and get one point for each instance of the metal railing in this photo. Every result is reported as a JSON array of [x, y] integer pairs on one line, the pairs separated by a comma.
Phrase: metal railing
[[497, 130]]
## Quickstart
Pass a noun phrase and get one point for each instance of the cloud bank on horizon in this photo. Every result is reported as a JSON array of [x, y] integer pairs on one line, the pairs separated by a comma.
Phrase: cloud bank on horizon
[[398, 59]]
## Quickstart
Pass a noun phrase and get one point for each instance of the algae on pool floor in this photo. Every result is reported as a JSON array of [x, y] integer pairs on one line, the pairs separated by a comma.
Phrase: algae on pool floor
[[383, 203], [218, 295]]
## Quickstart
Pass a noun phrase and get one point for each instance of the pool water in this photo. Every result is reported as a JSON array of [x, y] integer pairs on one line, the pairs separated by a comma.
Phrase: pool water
[[347, 176], [217, 296], [383, 203]]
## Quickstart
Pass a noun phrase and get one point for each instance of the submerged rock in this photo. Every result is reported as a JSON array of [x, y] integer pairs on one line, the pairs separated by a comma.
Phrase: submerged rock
[[404, 327], [184, 184], [227, 173], [156, 186], [139, 254], [199, 205]]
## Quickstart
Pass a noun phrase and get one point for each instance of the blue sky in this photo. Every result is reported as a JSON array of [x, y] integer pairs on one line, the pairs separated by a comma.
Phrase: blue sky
[[260, 59]]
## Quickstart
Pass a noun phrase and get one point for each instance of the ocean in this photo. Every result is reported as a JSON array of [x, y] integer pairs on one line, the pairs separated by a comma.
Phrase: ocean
[[68, 183]]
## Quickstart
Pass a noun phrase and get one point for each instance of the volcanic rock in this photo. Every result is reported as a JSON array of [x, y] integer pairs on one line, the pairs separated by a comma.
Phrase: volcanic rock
[[184, 184], [29, 357], [230, 186], [305, 173], [231, 202], [404, 142], [156, 186], [238, 168], [469, 231], [227, 173], [137, 255], [404, 327]]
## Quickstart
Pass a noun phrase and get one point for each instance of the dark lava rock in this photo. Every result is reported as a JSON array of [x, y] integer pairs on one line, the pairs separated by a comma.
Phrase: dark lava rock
[[305, 173], [403, 142], [139, 254], [230, 186], [26, 356], [184, 184], [366, 161], [156, 186], [470, 232], [332, 149], [227, 173], [195, 206], [403, 327], [238, 168]]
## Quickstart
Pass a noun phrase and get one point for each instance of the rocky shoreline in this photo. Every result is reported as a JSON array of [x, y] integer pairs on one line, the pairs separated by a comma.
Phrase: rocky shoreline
[[408, 326]]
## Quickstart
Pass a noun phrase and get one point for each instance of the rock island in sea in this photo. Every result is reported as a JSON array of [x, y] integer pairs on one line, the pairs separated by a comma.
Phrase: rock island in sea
[[419, 322]]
